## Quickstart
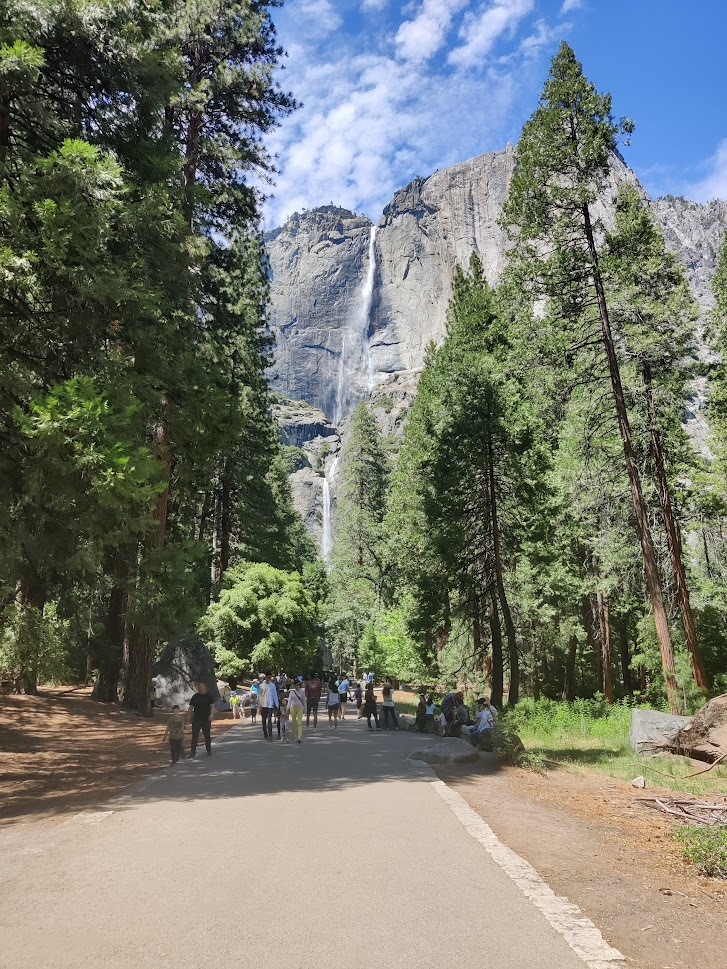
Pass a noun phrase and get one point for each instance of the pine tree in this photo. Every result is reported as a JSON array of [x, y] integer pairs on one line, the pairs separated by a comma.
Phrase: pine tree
[[654, 313], [563, 161], [359, 569]]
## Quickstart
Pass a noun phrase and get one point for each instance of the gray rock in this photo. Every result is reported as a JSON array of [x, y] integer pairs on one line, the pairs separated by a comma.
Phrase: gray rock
[[182, 665], [650, 730], [406, 721], [449, 750], [639, 782], [319, 261]]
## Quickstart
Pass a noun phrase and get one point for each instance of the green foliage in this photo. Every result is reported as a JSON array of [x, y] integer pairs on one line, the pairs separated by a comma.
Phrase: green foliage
[[35, 645], [265, 620], [359, 570], [706, 848], [138, 456]]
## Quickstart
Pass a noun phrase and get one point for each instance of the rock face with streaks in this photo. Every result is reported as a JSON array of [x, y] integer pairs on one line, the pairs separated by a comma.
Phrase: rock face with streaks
[[353, 306], [319, 261]]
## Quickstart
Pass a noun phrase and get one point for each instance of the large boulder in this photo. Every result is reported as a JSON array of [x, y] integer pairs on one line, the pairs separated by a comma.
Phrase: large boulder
[[182, 664], [705, 736], [652, 731], [406, 722], [450, 750]]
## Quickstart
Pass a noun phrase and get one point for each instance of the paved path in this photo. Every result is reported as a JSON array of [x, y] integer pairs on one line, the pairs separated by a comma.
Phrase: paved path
[[271, 856]]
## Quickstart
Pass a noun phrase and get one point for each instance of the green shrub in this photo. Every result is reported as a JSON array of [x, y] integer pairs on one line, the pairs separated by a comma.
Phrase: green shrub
[[704, 847]]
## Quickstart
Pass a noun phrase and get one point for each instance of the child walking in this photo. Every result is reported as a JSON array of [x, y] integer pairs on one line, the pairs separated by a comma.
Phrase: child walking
[[175, 733], [283, 717]]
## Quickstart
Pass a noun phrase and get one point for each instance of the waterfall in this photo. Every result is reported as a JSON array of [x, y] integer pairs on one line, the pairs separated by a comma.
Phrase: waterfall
[[358, 357], [364, 321], [327, 541]]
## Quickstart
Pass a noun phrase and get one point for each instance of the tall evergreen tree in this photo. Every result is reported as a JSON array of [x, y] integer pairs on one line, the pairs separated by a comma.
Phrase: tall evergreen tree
[[563, 162], [359, 568]]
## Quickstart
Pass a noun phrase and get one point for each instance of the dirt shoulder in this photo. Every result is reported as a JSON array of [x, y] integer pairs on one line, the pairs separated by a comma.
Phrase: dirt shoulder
[[61, 752], [593, 842]]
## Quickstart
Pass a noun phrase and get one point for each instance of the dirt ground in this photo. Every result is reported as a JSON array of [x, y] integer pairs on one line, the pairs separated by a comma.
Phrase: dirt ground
[[61, 752], [592, 841]]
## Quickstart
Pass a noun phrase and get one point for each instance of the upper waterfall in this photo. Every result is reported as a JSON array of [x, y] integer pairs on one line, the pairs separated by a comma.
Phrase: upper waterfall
[[355, 355]]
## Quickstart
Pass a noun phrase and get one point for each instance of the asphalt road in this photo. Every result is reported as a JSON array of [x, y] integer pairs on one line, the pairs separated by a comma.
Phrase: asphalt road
[[331, 852]]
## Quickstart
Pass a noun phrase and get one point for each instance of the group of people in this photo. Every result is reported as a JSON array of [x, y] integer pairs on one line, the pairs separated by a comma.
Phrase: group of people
[[455, 719], [283, 704]]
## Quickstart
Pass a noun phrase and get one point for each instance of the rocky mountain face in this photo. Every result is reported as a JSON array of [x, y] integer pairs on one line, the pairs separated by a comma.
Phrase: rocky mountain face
[[353, 305]]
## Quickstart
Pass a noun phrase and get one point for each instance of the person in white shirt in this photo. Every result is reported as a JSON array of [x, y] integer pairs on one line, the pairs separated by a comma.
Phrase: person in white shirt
[[297, 706], [343, 695], [484, 720], [268, 701], [333, 703]]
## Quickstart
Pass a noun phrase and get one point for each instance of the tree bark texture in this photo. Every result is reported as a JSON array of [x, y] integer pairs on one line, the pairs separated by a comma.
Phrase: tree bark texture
[[651, 568], [625, 657], [496, 684], [674, 539], [604, 623], [514, 687], [143, 639], [569, 688]]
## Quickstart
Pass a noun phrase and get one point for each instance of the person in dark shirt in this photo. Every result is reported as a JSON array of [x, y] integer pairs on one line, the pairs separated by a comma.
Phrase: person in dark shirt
[[201, 711]]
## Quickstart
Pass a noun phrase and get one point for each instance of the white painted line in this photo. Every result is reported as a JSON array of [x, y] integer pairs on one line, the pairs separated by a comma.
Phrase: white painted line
[[566, 918]]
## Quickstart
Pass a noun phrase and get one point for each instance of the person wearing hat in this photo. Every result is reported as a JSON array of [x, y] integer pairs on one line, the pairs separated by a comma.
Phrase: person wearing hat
[[269, 702]]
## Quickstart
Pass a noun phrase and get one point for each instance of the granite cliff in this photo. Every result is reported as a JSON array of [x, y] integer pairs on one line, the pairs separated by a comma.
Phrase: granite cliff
[[353, 305]]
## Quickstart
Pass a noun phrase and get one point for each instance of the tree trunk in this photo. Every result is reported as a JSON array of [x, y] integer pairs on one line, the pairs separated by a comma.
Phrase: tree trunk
[[106, 688], [142, 641], [496, 687], [225, 517], [215, 568], [514, 687], [569, 689], [204, 515], [625, 656], [674, 539], [536, 678], [604, 622], [651, 569]]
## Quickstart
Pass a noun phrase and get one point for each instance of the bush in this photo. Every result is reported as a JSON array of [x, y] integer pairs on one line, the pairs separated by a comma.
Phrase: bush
[[704, 847]]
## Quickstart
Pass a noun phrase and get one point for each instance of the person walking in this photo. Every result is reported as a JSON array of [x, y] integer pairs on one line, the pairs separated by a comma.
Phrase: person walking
[[175, 733], [342, 696], [313, 688], [201, 711], [268, 702], [333, 703], [297, 702], [369, 707], [388, 705]]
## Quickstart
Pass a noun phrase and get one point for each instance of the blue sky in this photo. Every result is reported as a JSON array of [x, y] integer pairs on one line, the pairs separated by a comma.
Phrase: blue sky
[[392, 89]]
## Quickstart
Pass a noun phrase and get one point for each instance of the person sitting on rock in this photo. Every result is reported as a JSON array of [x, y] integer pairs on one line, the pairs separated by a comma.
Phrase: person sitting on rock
[[485, 719]]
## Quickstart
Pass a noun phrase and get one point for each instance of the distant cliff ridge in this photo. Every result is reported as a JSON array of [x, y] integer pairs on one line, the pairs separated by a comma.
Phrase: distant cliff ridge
[[350, 307]]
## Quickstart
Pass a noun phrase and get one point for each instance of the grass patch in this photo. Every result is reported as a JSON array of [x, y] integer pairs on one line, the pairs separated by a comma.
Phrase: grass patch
[[704, 847], [590, 734]]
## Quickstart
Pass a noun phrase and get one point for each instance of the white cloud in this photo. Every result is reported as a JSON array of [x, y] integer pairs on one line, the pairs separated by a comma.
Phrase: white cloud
[[368, 5], [380, 109], [569, 5], [480, 30], [420, 38], [714, 183], [317, 18]]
